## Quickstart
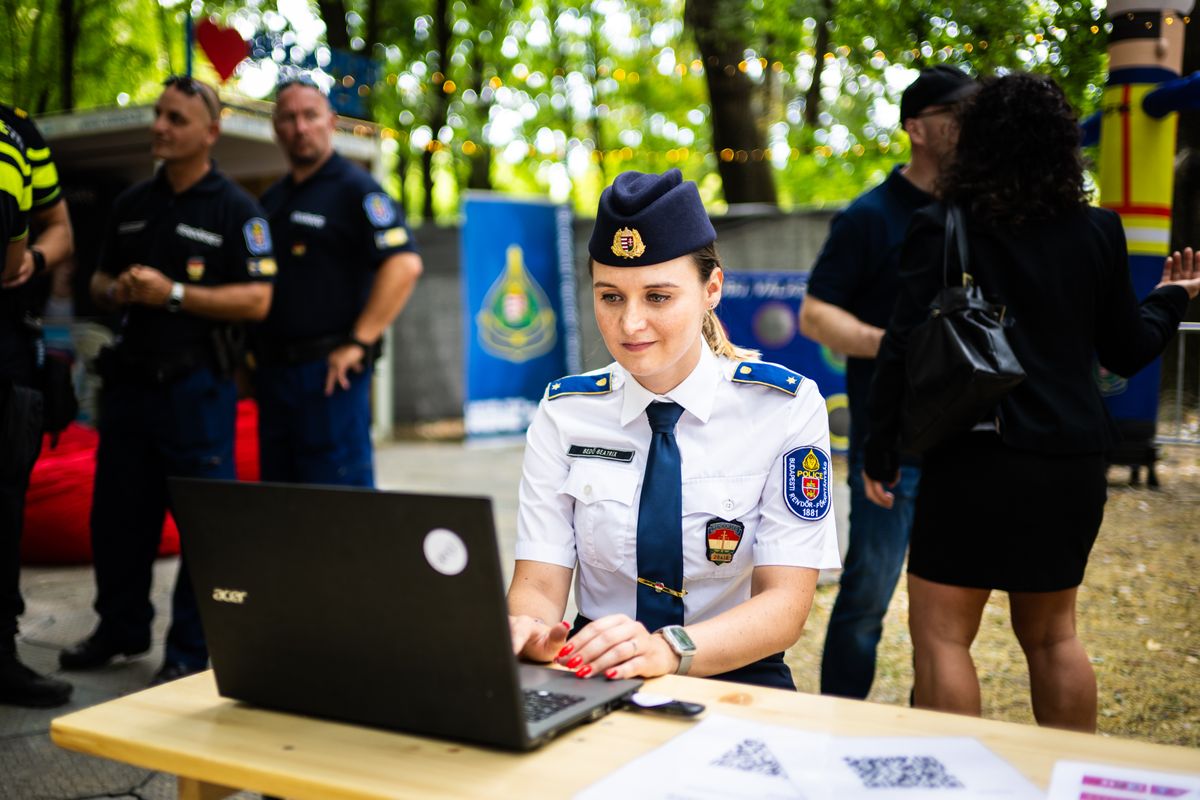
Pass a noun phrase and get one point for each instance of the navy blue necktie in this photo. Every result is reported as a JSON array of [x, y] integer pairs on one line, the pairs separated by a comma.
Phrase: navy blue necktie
[[660, 524]]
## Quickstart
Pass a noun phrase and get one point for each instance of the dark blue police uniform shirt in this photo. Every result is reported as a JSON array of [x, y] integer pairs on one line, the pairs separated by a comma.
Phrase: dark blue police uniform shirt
[[212, 233], [858, 270], [332, 231]]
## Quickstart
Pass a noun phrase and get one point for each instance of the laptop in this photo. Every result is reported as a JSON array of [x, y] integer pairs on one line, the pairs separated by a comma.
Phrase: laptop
[[379, 608]]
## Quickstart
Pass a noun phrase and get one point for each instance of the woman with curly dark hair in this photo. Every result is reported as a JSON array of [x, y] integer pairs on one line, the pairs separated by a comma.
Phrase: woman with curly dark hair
[[1015, 503]]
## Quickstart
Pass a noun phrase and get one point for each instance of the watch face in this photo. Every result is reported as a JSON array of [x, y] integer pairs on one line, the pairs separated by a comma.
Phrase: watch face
[[680, 637]]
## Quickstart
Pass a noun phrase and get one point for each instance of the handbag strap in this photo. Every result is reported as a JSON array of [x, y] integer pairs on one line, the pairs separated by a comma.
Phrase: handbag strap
[[955, 246]]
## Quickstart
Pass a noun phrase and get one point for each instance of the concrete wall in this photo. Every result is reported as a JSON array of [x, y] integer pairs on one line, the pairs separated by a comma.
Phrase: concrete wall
[[428, 357]]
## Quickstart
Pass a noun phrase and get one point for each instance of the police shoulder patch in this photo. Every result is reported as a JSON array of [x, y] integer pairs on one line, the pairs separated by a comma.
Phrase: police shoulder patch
[[258, 236], [379, 208], [580, 384], [806, 482], [767, 374]]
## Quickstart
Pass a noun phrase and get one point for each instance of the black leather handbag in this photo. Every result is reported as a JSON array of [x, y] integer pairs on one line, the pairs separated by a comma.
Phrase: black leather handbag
[[959, 363]]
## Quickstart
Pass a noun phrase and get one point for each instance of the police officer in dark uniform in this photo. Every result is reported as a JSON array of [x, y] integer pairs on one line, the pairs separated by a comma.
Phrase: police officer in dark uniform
[[186, 254], [348, 265], [20, 417]]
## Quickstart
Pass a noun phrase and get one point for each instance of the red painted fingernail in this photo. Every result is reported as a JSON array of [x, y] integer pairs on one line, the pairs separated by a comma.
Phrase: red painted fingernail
[[565, 624], [575, 662], [611, 674], [565, 650], [583, 671]]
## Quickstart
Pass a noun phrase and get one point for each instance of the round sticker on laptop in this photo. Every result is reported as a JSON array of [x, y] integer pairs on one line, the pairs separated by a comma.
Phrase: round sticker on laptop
[[445, 551]]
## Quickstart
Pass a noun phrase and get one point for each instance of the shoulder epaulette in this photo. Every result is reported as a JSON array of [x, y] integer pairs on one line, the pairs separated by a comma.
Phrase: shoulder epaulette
[[580, 384], [766, 374]]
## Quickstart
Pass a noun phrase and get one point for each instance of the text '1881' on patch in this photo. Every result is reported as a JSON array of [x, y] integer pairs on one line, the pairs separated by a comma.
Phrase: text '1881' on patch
[[589, 451]]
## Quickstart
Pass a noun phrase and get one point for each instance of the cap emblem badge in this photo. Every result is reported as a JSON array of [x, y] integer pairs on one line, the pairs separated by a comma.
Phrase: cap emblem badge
[[627, 243]]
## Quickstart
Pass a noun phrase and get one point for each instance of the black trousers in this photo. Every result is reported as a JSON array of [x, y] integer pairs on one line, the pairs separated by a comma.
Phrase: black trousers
[[20, 444]]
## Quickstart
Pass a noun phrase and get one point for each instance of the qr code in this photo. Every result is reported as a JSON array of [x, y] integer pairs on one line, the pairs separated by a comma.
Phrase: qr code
[[903, 772], [752, 755]]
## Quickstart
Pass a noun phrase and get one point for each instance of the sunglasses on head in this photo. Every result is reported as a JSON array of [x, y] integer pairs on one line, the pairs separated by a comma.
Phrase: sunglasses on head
[[298, 80], [192, 87]]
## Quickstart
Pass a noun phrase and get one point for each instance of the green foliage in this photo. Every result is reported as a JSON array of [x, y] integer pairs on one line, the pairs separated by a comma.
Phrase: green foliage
[[557, 96]]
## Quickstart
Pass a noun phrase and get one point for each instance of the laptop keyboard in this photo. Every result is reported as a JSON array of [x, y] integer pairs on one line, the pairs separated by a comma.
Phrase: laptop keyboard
[[540, 703]]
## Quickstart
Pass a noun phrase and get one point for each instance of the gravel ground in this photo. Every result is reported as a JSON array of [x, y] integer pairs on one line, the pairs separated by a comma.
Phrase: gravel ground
[[1139, 611]]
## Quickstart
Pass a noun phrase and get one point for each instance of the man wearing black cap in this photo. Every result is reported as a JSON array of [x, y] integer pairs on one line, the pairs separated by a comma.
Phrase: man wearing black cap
[[850, 294]]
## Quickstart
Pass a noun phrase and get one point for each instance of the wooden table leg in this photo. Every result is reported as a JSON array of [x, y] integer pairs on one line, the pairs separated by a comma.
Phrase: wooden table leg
[[192, 789]]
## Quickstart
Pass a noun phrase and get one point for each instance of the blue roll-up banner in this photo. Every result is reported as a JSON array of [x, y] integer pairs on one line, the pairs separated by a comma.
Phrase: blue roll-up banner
[[762, 310], [518, 283]]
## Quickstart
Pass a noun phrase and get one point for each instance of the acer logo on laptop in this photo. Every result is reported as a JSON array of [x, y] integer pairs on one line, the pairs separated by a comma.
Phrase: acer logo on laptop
[[235, 596]]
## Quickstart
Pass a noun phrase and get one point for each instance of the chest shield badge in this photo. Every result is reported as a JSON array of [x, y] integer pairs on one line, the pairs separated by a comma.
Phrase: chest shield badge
[[721, 538]]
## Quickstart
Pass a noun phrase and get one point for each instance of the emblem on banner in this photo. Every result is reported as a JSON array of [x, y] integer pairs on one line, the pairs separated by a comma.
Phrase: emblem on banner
[[195, 268], [517, 322], [627, 243], [806, 482], [722, 538]]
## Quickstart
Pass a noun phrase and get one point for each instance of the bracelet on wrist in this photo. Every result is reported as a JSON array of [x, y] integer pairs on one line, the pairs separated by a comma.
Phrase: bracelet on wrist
[[39, 260]]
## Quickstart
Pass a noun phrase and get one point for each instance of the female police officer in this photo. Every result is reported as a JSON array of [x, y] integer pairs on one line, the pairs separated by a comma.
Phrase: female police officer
[[691, 484]]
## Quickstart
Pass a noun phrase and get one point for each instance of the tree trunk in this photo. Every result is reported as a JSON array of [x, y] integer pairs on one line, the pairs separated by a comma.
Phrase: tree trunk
[[333, 14], [1185, 219], [69, 27], [440, 103], [812, 98], [479, 175], [372, 26], [737, 137]]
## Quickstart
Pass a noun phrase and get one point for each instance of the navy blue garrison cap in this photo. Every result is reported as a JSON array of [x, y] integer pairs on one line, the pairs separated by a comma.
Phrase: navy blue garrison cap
[[648, 219]]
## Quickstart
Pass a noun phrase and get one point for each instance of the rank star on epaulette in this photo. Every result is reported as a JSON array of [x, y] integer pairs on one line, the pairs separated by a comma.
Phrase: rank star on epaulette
[[766, 374]]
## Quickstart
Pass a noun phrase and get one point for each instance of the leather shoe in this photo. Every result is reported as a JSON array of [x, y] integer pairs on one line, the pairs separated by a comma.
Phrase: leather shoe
[[21, 686], [96, 651], [173, 671]]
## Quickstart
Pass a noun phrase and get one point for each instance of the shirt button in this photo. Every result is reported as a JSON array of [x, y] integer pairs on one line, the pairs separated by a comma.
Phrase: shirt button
[[587, 489], [728, 504]]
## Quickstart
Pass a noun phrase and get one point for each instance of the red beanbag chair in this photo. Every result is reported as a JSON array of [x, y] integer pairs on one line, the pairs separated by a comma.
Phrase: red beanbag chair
[[59, 501]]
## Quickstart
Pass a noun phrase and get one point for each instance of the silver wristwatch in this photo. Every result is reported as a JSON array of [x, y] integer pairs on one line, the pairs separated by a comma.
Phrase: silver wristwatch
[[175, 298], [679, 641]]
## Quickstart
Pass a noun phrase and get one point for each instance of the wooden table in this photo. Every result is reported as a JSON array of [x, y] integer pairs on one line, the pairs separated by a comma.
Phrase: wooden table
[[213, 744]]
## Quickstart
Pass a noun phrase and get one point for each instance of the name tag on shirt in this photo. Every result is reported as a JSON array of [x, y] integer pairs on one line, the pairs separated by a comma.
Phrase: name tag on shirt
[[583, 451]]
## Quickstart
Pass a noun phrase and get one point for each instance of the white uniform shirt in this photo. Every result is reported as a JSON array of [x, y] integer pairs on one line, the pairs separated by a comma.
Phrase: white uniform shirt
[[733, 441]]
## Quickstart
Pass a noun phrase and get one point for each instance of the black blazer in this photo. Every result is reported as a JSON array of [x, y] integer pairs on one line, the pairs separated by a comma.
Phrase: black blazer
[[1067, 287]]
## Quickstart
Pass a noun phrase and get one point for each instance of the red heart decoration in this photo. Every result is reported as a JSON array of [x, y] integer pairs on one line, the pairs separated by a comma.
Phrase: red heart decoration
[[224, 47]]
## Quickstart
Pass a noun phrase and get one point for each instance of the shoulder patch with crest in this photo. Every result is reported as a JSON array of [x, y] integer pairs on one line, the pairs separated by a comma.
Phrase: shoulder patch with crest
[[580, 384], [766, 374], [258, 236], [806, 482], [379, 209]]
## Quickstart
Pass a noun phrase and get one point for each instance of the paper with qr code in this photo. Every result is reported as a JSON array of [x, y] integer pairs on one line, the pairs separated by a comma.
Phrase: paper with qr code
[[1079, 781], [724, 757], [721, 757], [922, 767]]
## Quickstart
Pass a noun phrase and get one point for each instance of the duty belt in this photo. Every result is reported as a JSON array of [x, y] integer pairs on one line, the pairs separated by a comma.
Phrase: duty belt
[[300, 351], [153, 368]]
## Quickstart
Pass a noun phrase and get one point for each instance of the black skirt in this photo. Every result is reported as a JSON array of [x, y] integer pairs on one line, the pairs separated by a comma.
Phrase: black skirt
[[991, 517]]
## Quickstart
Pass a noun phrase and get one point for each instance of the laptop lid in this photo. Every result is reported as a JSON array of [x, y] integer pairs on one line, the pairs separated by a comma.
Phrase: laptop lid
[[379, 608]]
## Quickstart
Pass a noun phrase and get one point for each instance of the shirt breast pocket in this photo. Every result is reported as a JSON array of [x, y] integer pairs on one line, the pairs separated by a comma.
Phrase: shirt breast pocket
[[712, 550], [604, 502]]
